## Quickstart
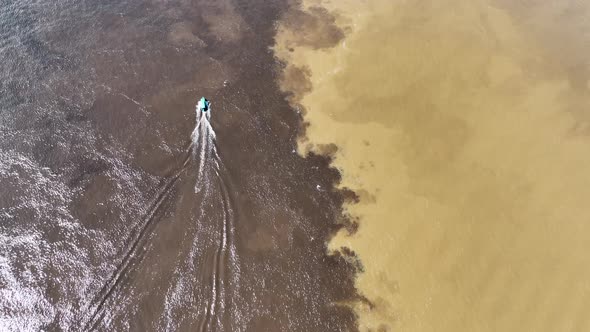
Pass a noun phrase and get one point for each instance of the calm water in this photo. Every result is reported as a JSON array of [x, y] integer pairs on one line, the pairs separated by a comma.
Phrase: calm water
[[121, 210], [463, 127]]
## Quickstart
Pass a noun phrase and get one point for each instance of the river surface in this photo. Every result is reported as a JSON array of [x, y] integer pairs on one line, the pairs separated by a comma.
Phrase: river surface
[[123, 209], [463, 127]]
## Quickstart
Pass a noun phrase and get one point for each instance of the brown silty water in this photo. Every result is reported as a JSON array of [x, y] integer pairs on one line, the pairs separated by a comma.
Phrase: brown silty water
[[122, 209], [462, 126]]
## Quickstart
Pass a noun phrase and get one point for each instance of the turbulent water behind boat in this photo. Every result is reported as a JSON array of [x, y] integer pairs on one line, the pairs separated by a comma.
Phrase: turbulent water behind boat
[[114, 217]]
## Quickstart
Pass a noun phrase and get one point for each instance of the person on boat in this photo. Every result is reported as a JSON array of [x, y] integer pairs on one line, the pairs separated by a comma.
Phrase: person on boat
[[203, 104]]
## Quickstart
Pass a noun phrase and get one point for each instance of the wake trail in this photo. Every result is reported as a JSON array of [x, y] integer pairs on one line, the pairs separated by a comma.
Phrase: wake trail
[[137, 237], [203, 143], [205, 147], [209, 176]]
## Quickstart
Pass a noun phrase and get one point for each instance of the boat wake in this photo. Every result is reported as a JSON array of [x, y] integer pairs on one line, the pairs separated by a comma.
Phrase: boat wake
[[206, 261], [203, 146]]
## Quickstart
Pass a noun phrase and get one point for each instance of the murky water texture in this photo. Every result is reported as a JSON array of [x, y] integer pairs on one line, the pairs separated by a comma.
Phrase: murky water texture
[[462, 126], [121, 208]]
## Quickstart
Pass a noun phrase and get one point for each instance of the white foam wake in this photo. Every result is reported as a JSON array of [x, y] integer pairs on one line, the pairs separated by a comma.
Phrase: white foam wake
[[203, 144]]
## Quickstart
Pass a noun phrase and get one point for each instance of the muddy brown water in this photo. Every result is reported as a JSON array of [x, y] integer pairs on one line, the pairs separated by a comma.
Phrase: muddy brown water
[[112, 218], [463, 127]]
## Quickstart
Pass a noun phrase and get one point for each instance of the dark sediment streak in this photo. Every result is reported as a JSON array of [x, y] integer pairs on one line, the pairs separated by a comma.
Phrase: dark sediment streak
[[245, 253]]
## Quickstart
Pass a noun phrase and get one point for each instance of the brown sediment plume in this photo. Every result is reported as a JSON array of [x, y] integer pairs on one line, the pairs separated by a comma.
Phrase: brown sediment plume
[[295, 80], [462, 129], [314, 27]]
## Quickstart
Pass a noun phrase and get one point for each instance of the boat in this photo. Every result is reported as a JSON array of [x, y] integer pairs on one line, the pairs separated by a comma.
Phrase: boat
[[203, 105]]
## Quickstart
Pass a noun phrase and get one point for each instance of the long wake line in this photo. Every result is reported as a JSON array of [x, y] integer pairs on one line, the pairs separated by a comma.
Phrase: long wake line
[[204, 148]]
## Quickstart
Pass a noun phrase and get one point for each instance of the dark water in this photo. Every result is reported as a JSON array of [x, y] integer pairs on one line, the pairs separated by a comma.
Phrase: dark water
[[113, 218]]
